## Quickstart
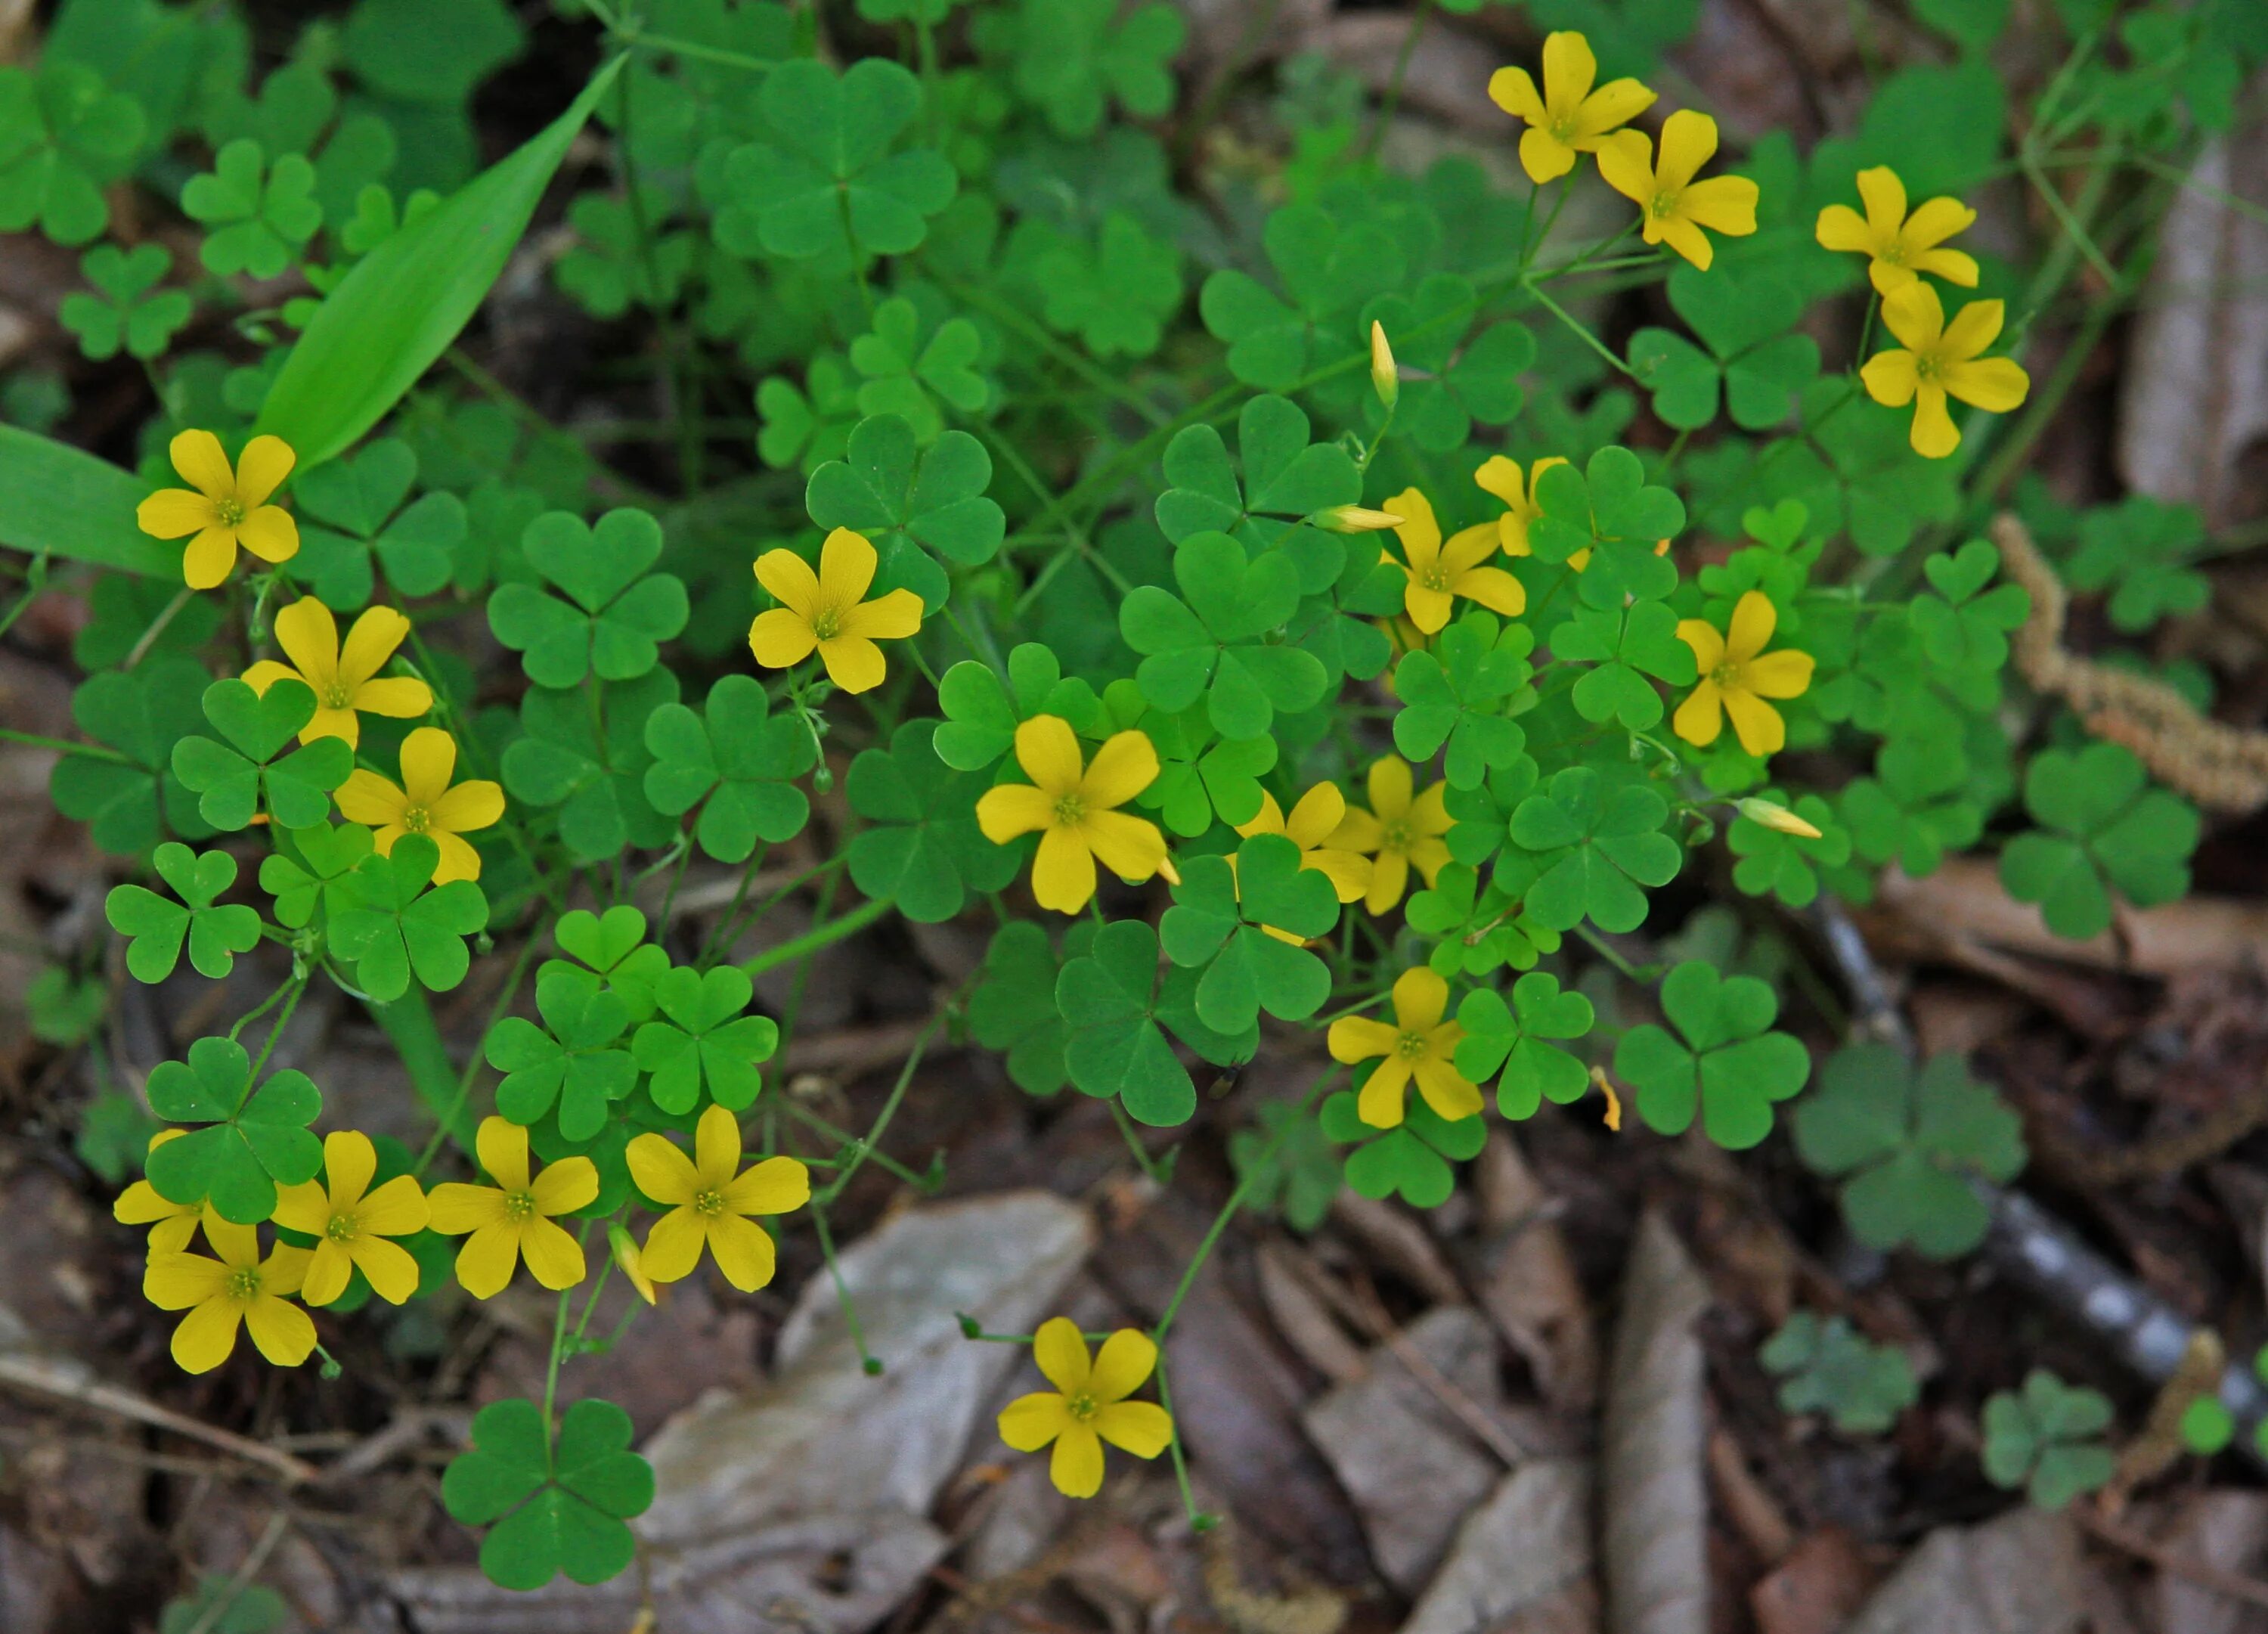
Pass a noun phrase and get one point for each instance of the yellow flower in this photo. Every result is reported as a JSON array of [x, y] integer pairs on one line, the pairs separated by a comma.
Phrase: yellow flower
[[513, 1218], [1900, 248], [1673, 207], [1418, 1044], [351, 1223], [425, 803], [709, 1200], [1396, 833], [1569, 117], [223, 508], [1088, 1405], [172, 1225], [827, 612], [1737, 675], [1072, 807], [342, 681], [1502, 478], [1437, 574], [1940, 359], [1318, 815], [237, 1288]]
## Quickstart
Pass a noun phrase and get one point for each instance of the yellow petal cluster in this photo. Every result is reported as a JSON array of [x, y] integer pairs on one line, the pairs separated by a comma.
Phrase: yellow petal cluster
[[224, 506], [425, 802], [1072, 804], [1087, 1406]]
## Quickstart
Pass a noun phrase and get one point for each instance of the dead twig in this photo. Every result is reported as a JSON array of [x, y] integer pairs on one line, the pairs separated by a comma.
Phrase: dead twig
[[74, 1381], [2232, 1584]]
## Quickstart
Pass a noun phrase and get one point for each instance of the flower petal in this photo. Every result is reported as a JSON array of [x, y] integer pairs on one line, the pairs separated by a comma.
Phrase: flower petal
[[1725, 204], [1936, 220], [198, 456], [174, 1282], [454, 1208], [1419, 533], [1755, 722], [1783, 675], [717, 1148], [370, 800], [1389, 877], [1617, 102], [1358, 831], [474, 803], [1890, 377], [1570, 69], [1142, 1428], [270, 534], [396, 1208], [1685, 237], [1953, 265], [350, 1160], [1543, 155], [1126, 765], [1701, 717], [743, 1251], [428, 756], [1885, 198], [1420, 996], [1708, 647], [554, 1258], [775, 1185], [370, 642], [1974, 327], [1996, 384], [1842, 228], [284, 1332], [1359, 1038], [1754, 619], [1127, 1358], [501, 1146], [673, 1247], [303, 1207], [1314, 819], [1076, 1465], [458, 860], [1269, 819], [1687, 139], [1008, 809], [207, 1336], [1916, 316], [1131, 847], [1379, 1104], [1059, 1350], [1447, 1091], [1389, 788], [402, 697], [1493, 588], [1030, 1422], [261, 469], [1934, 435], [490, 1256], [791, 583], [661, 1171], [390, 1268], [1047, 750], [209, 555], [1063, 873], [885, 618], [565, 1186], [1513, 90], [853, 663], [846, 568], [780, 639], [173, 513], [329, 1268]]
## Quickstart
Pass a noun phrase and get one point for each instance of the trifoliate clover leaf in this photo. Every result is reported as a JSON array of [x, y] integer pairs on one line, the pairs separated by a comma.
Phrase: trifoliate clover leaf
[[592, 770], [981, 715], [1071, 56], [1514, 1037], [1887, 491], [237, 779], [1774, 862], [910, 502], [1005, 1014], [2047, 1440], [1221, 923], [399, 929], [129, 801], [64, 136], [705, 1041], [430, 54], [1624, 646], [1448, 383], [619, 261], [252, 1140], [1583, 847], [554, 1509], [256, 216], [1481, 927], [126, 316], [809, 431], [1116, 1008], [830, 185], [1327, 272], [1914, 810], [612, 947], [909, 367], [1829, 1367], [573, 1060], [63, 1011], [314, 869], [1959, 627], [1722, 1061], [1412, 1158], [1608, 509], [1117, 294], [1211, 643], [1286, 1166], [1743, 316], [616, 615], [1201, 774], [2141, 551], [123, 610], [158, 925], [1456, 694], [356, 514], [2103, 828], [740, 758], [1906, 1146], [923, 852], [1287, 479]]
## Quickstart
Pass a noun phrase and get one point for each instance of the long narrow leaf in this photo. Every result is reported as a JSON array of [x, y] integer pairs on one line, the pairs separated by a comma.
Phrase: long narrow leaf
[[400, 307], [76, 506]]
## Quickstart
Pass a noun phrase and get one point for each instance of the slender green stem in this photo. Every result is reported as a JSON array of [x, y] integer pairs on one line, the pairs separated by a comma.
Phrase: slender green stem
[[551, 1367], [819, 936], [864, 1150], [93, 751], [453, 1118], [408, 1021], [849, 1306], [1133, 1139], [293, 989], [1392, 101], [861, 1150]]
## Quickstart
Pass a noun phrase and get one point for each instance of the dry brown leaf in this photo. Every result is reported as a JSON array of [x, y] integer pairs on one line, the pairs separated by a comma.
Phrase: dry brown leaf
[[1815, 1589], [2018, 1574], [1656, 1510], [2224, 1528], [1527, 1284], [1523, 1562]]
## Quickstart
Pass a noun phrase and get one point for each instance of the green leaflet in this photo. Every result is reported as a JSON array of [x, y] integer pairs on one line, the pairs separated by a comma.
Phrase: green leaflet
[[65, 502], [402, 305]]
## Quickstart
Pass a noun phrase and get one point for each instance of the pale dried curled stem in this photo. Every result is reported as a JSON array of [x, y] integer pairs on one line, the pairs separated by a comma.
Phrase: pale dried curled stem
[[2222, 768]]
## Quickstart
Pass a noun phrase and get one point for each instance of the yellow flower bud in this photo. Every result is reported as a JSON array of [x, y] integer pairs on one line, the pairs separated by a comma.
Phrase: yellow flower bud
[[1384, 377], [1777, 817], [1356, 519], [625, 1250]]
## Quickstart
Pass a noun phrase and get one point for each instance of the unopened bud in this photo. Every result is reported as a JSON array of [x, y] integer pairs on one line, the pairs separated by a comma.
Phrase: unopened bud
[[1355, 520], [1385, 378], [1775, 816], [627, 1261]]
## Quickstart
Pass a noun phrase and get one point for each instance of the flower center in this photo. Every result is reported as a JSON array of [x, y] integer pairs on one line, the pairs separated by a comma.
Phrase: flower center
[[827, 626], [1893, 254], [1411, 1044], [243, 1283], [1071, 810], [1664, 205], [343, 1228], [1435, 578], [1082, 1406], [1927, 365], [519, 1206], [1395, 836], [1562, 128], [416, 819], [228, 512], [709, 1204], [335, 696], [1725, 674]]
